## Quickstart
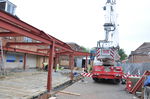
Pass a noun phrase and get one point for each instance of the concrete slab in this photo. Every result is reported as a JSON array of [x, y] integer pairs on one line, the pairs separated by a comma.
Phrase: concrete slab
[[26, 84]]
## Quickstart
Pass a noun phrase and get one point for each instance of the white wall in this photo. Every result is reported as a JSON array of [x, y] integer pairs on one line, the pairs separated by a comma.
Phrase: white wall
[[31, 61], [79, 62], [16, 64]]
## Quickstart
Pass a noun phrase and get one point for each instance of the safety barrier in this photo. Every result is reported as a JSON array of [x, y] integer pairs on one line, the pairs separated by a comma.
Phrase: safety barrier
[[87, 74]]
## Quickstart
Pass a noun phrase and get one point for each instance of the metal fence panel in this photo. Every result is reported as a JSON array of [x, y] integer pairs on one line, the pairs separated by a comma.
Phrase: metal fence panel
[[135, 68]]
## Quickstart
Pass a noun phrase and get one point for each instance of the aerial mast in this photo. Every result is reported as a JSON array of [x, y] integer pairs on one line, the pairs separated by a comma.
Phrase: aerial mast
[[107, 48]]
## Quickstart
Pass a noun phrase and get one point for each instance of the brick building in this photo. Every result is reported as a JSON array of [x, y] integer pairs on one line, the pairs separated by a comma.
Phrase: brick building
[[23, 45], [78, 60], [75, 47], [141, 54], [12, 57], [15, 59]]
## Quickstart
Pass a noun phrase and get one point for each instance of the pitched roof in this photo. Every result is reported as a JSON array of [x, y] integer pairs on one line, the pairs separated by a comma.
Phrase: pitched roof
[[75, 46], [144, 49]]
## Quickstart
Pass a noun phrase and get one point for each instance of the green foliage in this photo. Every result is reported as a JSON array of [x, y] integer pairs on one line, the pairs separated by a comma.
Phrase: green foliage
[[122, 54], [85, 49]]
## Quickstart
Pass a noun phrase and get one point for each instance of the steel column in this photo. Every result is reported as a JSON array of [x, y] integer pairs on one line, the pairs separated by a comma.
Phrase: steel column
[[71, 64], [50, 67], [24, 62]]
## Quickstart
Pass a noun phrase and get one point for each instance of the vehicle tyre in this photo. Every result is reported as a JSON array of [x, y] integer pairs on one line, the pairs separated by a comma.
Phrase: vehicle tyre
[[96, 79], [116, 81], [123, 81]]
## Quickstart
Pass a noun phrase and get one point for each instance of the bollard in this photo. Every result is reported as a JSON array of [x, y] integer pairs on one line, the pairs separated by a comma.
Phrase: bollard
[[128, 85]]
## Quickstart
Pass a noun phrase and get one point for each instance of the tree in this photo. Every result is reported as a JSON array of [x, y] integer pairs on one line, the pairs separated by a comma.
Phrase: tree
[[85, 49], [122, 54]]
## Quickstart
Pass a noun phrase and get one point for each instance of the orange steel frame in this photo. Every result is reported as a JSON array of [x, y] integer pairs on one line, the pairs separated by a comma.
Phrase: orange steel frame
[[17, 27]]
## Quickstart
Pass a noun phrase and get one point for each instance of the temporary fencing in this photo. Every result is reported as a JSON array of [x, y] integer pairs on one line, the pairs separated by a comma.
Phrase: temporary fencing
[[135, 68]]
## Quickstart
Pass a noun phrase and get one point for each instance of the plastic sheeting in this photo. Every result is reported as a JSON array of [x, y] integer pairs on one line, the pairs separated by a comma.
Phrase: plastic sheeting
[[147, 81]]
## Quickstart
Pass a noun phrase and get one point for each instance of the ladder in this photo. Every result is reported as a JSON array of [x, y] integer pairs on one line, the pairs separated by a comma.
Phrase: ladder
[[2, 68]]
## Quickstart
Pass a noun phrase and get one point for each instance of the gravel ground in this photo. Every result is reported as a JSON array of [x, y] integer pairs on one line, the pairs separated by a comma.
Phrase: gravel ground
[[92, 90]]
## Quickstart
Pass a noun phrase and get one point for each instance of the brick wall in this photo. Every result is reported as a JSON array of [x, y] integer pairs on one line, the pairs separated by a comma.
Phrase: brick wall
[[21, 39], [139, 59]]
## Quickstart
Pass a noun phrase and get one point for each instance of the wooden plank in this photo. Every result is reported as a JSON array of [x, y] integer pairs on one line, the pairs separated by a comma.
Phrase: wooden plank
[[52, 98], [70, 93]]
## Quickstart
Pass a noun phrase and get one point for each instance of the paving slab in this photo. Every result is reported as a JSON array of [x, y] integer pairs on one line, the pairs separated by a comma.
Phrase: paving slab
[[26, 84]]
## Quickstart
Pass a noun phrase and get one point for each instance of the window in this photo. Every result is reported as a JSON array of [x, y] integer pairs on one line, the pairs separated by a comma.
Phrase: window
[[2, 6], [9, 8], [10, 58], [21, 59], [12, 9], [26, 39]]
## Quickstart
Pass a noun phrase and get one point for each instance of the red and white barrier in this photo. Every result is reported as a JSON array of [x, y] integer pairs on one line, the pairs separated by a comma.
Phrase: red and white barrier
[[87, 74], [125, 76]]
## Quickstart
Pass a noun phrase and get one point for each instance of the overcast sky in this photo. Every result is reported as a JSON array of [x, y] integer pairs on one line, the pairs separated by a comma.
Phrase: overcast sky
[[81, 21]]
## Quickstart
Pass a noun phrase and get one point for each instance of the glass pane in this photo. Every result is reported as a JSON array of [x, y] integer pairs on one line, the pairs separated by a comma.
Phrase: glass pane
[[2, 5], [9, 8]]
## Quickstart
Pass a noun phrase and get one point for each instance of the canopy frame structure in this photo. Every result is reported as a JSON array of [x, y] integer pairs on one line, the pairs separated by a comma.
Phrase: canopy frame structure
[[12, 26]]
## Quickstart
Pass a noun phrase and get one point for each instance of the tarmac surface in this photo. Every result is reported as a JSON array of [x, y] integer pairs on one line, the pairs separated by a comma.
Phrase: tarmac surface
[[92, 90]]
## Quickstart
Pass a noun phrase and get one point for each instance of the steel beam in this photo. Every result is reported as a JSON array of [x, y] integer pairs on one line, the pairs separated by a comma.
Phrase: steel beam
[[77, 53], [57, 41], [9, 34], [50, 67], [25, 43], [34, 43], [29, 27], [42, 49], [19, 30], [16, 29], [18, 22], [34, 31], [23, 51], [64, 53], [63, 47]]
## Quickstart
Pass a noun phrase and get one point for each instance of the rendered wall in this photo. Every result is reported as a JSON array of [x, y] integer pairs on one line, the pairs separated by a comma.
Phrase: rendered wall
[[17, 63], [15, 60], [31, 61]]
